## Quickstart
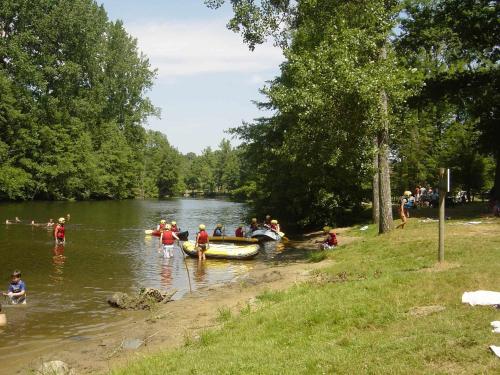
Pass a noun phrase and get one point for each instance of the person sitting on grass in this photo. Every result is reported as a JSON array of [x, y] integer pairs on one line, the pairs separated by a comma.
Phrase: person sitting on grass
[[240, 232], [330, 241], [17, 289]]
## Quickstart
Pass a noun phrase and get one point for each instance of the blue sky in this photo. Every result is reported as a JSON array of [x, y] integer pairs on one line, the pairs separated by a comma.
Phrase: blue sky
[[207, 77]]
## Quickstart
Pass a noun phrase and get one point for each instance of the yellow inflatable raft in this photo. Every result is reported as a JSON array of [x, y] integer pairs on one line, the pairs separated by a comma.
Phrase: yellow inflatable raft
[[233, 239], [223, 251]]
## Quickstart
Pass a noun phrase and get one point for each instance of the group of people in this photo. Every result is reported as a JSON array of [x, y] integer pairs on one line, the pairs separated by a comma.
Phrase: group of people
[[58, 228], [268, 223], [423, 197], [169, 235]]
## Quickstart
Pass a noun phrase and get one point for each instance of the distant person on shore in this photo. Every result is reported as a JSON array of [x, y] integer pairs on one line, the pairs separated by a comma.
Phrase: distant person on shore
[[202, 243], [59, 232], [240, 232], [253, 225], [330, 241], [17, 289], [402, 202], [50, 224], [161, 226], [218, 231], [167, 240], [409, 202], [175, 228]]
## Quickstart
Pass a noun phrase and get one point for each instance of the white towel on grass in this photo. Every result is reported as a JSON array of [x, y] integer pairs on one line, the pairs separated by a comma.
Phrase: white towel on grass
[[496, 350], [496, 326], [481, 297]]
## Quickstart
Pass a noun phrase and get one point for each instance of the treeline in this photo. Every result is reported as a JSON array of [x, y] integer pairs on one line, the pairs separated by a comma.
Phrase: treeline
[[373, 97], [72, 104]]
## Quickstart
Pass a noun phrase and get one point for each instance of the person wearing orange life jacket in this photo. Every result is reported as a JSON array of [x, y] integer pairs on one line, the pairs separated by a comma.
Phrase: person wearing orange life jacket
[[161, 226], [59, 232], [202, 242], [240, 232], [167, 240], [175, 228]]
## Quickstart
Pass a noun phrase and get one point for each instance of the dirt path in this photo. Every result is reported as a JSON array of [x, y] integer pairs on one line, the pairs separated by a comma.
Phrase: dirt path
[[172, 324]]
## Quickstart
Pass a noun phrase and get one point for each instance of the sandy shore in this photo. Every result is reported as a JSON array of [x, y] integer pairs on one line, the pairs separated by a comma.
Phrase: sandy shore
[[171, 324]]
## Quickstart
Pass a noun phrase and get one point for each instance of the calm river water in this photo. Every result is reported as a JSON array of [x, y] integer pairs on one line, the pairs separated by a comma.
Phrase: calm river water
[[106, 251]]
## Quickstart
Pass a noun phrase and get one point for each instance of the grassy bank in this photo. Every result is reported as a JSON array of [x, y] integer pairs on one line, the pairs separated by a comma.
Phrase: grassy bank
[[382, 307]]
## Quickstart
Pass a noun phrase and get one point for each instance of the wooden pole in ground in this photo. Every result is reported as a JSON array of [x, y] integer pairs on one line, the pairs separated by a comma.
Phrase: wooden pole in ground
[[443, 187]]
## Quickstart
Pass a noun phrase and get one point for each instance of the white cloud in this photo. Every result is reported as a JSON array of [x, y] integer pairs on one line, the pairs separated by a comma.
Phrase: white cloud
[[200, 47]]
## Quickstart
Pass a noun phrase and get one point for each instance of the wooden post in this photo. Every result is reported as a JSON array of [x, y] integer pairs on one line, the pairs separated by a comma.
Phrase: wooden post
[[443, 189]]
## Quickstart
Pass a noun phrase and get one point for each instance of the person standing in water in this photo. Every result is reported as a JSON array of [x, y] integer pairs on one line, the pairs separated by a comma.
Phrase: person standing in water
[[202, 243], [17, 289], [175, 228], [167, 239], [50, 224], [59, 235]]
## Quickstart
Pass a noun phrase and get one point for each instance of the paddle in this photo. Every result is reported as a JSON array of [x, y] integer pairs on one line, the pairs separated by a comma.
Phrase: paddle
[[185, 265]]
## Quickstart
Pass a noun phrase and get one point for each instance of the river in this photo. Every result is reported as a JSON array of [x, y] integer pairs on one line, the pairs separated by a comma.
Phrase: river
[[106, 251]]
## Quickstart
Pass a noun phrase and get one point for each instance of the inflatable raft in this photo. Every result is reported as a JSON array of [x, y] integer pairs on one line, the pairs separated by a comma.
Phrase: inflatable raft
[[183, 236], [233, 239], [223, 251], [267, 234]]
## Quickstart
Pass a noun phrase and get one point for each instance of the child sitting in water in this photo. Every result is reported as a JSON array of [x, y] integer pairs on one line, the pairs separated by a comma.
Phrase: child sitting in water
[[17, 289]]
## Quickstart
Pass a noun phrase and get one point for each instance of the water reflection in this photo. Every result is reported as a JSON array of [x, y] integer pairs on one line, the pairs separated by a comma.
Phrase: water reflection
[[58, 260], [200, 272]]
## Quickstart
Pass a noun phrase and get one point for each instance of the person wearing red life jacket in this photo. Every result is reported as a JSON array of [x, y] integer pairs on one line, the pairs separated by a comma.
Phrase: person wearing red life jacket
[[275, 227], [253, 225], [175, 228], [202, 242], [240, 232], [167, 240], [59, 235], [161, 226]]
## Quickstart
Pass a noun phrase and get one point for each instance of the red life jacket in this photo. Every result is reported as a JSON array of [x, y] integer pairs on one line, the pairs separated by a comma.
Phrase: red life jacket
[[175, 229], [161, 227], [60, 231], [167, 237], [239, 232], [274, 226], [202, 237], [332, 239]]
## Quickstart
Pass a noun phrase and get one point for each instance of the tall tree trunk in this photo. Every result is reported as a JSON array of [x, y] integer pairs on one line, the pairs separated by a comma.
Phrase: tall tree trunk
[[496, 185], [384, 176], [376, 194]]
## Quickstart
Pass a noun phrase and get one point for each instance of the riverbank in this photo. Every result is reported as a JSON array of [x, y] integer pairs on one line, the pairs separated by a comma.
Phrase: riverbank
[[380, 305]]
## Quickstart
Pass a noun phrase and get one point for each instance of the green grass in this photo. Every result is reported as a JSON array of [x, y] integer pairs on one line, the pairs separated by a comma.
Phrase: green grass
[[355, 317]]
